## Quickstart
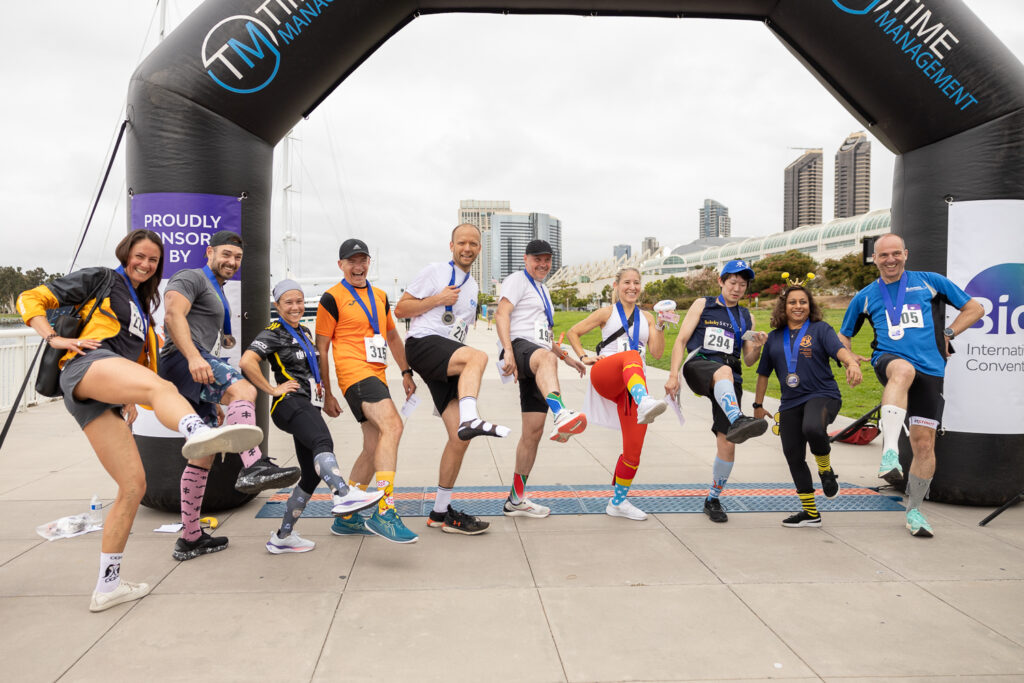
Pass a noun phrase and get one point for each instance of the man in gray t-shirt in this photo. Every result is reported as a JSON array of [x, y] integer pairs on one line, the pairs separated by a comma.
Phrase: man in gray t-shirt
[[197, 316]]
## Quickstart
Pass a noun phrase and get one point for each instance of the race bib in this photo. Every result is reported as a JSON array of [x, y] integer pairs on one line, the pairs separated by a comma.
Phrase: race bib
[[717, 339], [376, 350], [135, 327], [622, 344], [911, 316], [458, 330], [541, 332], [316, 394]]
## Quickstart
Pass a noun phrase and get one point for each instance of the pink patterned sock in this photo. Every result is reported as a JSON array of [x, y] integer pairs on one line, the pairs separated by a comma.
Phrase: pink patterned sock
[[243, 413], [193, 486]]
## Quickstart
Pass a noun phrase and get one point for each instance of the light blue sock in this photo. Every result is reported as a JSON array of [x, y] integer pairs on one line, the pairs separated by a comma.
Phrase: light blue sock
[[719, 476], [620, 494], [726, 397], [638, 391]]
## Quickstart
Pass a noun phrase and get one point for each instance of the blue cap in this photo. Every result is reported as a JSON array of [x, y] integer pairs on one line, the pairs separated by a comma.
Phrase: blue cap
[[738, 266]]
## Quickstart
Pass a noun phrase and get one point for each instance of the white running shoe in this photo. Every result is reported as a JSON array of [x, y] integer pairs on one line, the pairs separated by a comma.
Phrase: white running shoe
[[292, 544], [649, 409], [567, 423], [224, 439], [125, 592], [355, 500], [625, 509], [525, 509]]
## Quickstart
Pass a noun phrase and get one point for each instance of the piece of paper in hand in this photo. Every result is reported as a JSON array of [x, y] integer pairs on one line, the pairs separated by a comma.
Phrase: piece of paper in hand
[[505, 379], [409, 406], [675, 408], [169, 528]]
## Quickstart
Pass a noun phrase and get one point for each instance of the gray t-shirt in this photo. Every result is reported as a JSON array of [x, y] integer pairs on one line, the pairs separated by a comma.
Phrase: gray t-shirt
[[206, 318]]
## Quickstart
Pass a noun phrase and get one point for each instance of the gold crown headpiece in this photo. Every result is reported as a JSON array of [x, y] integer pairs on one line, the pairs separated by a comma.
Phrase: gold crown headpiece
[[793, 282]]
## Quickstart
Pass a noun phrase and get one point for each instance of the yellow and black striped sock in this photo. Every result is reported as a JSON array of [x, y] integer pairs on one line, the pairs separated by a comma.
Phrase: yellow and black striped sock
[[824, 463], [807, 500]]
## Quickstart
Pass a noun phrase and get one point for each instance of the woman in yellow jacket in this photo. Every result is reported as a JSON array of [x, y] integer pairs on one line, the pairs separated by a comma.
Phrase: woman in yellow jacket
[[107, 370]]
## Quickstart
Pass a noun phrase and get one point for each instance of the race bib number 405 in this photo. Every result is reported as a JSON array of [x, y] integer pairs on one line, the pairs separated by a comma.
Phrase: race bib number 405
[[911, 316], [717, 339]]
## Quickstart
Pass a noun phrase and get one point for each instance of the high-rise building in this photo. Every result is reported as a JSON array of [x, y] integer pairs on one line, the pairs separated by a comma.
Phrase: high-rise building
[[802, 193], [714, 220], [853, 176], [509, 234], [478, 212], [648, 245], [620, 250]]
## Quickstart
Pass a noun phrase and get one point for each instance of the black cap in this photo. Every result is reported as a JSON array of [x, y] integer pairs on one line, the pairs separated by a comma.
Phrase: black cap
[[350, 248], [538, 247], [222, 237]]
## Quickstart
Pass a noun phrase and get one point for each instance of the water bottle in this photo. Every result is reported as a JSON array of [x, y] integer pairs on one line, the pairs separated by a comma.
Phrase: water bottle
[[95, 511]]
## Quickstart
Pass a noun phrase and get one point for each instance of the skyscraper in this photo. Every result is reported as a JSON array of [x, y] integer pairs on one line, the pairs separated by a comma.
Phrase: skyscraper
[[505, 243], [478, 212], [648, 245], [853, 176], [714, 220], [802, 193], [620, 250]]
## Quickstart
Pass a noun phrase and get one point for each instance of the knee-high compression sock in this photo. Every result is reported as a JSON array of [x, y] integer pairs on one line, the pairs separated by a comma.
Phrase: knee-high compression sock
[[193, 487], [807, 501], [917, 489], [725, 395], [293, 508], [191, 424], [554, 400], [110, 572], [891, 422], [624, 473], [386, 483], [719, 476], [326, 466], [518, 493], [636, 383], [243, 413], [824, 462]]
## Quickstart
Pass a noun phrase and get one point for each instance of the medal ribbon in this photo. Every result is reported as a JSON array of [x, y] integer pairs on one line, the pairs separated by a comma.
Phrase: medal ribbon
[[790, 348], [135, 298], [223, 299], [547, 303], [307, 347], [738, 329], [634, 339], [371, 313], [897, 310], [452, 282]]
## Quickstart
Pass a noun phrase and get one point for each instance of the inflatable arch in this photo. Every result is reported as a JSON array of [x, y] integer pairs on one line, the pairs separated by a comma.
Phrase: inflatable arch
[[926, 77]]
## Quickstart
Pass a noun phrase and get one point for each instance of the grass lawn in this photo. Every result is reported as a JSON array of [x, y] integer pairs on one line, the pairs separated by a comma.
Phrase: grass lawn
[[856, 401]]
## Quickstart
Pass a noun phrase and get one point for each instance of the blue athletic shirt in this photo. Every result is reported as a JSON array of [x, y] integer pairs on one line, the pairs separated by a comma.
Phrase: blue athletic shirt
[[819, 344], [922, 346]]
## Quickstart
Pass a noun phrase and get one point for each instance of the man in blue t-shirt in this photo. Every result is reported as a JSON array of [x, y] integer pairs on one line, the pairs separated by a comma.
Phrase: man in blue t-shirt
[[905, 308]]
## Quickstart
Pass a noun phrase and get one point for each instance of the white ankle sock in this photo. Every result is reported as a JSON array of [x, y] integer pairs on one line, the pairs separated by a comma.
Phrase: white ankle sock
[[110, 572], [467, 409], [191, 424]]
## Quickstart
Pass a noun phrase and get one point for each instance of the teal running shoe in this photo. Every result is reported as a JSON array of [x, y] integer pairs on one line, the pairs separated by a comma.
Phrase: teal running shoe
[[890, 466], [353, 526], [390, 526], [917, 524]]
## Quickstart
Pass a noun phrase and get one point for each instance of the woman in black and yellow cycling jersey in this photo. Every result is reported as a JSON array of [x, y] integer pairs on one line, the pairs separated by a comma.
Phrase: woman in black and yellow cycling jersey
[[107, 370]]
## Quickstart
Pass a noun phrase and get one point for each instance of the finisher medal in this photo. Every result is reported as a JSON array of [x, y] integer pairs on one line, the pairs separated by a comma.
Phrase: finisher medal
[[792, 380], [228, 341], [447, 317], [895, 332]]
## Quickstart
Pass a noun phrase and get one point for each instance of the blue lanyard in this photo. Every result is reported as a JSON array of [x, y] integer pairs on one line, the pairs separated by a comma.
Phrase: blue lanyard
[[371, 313], [789, 348], [634, 339], [135, 298], [897, 310], [307, 348], [223, 299], [452, 282], [739, 329], [544, 300]]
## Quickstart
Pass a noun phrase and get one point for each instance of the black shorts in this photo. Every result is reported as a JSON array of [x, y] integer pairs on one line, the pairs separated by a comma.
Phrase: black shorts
[[699, 375], [369, 390], [429, 357], [530, 398], [924, 398]]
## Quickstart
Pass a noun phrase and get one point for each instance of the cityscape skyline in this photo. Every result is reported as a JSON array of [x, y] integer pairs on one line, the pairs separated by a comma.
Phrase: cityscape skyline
[[713, 220]]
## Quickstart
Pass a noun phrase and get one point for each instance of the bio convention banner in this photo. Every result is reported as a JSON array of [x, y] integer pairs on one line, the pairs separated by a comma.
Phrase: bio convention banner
[[984, 387]]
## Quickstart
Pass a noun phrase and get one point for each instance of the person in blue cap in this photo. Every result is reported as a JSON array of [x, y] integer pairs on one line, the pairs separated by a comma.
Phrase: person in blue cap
[[716, 332]]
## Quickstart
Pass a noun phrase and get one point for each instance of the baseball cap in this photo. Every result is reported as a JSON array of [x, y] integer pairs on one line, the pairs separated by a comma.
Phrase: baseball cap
[[351, 247], [285, 286], [738, 266], [538, 247], [222, 237]]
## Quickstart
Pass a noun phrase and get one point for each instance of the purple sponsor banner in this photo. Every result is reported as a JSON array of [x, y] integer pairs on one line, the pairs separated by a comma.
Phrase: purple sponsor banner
[[185, 223]]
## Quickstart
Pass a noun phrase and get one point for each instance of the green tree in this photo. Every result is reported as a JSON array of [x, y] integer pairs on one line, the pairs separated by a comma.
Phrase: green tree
[[704, 282], [13, 282], [768, 271], [485, 298], [566, 295], [849, 274], [606, 295]]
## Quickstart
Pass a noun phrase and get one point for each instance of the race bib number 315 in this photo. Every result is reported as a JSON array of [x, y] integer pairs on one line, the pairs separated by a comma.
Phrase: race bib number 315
[[376, 350]]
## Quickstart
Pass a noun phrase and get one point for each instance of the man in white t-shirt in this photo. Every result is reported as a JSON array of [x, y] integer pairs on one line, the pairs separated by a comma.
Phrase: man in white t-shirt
[[441, 301], [525, 319]]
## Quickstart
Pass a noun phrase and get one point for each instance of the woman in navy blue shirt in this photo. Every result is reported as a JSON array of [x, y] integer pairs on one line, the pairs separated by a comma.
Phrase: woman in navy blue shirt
[[798, 350]]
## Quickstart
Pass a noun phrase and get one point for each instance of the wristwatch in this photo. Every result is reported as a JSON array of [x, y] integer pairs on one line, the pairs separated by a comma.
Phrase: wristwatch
[[755, 406], [407, 371], [949, 333]]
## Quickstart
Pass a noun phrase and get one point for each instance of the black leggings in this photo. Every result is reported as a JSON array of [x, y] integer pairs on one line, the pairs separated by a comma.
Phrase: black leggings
[[806, 424], [300, 418]]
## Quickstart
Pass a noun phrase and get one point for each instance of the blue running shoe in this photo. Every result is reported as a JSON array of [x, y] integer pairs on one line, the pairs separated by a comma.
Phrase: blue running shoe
[[390, 526], [890, 466], [917, 524], [350, 526]]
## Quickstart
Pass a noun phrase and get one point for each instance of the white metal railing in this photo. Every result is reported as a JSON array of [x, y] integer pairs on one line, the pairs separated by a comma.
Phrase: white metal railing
[[17, 347]]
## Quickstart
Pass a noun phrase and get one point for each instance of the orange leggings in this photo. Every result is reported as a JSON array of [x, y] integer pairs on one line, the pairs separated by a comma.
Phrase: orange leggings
[[609, 377]]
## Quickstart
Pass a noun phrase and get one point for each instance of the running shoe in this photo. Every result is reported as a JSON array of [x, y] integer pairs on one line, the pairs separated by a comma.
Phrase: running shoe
[[390, 526], [917, 524], [713, 509], [527, 508], [205, 544], [744, 428], [625, 509], [802, 518], [354, 500], [349, 526], [293, 543], [125, 592], [567, 423], [454, 521], [224, 439], [477, 427], [829, 483], [264, 474], [649, 409], [890, 468]]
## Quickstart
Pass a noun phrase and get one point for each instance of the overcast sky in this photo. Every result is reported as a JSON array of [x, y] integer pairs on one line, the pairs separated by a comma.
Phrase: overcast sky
[[619, 127]]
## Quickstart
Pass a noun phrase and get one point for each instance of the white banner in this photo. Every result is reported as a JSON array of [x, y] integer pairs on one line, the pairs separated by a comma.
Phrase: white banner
[[984, 388]]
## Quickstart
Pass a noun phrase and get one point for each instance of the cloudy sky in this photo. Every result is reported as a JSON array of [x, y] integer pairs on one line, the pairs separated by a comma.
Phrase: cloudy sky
[[619, 127]]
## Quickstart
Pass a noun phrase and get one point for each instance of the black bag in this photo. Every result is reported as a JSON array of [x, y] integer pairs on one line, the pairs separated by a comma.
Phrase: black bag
[[68, 325]]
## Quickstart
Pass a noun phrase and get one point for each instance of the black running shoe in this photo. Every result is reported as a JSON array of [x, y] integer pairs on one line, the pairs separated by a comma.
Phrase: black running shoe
[[829, 483], [454, 521], [802, 518], [745, 428], [264, 474], [205, 544], [713, 509]]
